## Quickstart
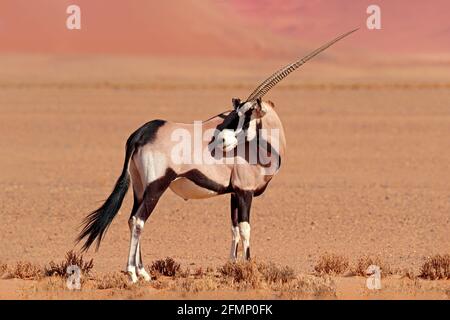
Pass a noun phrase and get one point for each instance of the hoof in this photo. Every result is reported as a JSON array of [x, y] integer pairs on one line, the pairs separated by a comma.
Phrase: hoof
[[132, 274], [144, 275]]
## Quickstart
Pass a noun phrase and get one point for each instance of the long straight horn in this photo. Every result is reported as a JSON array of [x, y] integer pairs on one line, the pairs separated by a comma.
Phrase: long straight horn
[[270, 82]]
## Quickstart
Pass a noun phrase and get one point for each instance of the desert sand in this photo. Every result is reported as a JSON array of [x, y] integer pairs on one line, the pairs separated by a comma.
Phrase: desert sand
[[367, 170]]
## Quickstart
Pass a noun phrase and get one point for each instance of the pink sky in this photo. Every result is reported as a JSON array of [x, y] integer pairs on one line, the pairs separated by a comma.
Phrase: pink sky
[[221, 28]]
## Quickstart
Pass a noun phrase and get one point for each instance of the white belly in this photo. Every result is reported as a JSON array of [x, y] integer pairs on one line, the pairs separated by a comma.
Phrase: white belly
[[186, 189]]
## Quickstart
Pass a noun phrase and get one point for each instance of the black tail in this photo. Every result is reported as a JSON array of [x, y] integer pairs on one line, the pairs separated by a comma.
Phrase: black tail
[[97, 222]]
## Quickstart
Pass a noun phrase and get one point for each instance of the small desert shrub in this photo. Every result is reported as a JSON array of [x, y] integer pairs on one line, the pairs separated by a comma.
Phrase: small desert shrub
[[185, 273], [199, 272], [331, 264], [274, 274], [72, 259], [363, 263], [3, 268], [53, 283], [436, 268], [244, 274], [115, 280], [253, 274], [168, 267], [405, 273], [307, 286], [26, 270]]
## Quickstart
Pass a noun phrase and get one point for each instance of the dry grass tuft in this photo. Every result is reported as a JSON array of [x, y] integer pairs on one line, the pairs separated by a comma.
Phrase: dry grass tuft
[[26, 270], [3, 268], [195, 285], [115, 280], [185, 273], [199, 272], [275, 274], [331, 264], [436, 268], [252, 274], [60, 269], [168, 267], [363, 263], [244, 274], [307, 285]]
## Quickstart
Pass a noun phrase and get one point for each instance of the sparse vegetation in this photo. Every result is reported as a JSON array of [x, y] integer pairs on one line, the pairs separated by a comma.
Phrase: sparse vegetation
[[243, 274], [25, 270], [115, 280], [3, 269], [307, 285], [168, 267], [252, 274], [363, 263], [280, 281], [436, 268], [60, 269], [195, 285], [275, 274], [331, 264], [199, 272]]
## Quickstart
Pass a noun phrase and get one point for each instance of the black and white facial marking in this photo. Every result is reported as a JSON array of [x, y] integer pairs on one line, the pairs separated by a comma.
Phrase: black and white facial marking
[[240, 124]]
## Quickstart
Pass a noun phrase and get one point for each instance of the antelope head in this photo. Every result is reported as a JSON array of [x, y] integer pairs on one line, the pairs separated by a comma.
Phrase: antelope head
[[238, 121]]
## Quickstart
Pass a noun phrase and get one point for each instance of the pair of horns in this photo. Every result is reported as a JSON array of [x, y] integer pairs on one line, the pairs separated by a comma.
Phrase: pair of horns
[[270, 82]]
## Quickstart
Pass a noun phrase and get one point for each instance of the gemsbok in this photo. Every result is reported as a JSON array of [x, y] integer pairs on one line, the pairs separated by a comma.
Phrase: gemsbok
[[236, 152]]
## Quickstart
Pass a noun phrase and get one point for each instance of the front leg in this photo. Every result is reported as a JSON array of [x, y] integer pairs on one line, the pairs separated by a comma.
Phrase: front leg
[[235, 237], [244, 200]]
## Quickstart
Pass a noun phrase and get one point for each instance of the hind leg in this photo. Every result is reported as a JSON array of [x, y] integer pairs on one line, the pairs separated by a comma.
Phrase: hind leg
[[152, 193], [139, 269], [138, 192]]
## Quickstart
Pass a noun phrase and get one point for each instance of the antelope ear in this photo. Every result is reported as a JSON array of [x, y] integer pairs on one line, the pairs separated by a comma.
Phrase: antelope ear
[[236, 103], [260, 109]]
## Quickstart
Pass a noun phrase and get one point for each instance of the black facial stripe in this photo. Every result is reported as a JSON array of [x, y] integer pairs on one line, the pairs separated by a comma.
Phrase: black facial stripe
[[232, 120]]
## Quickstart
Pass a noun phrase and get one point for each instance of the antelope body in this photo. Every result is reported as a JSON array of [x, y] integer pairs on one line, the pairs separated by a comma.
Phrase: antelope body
[[238, 153]]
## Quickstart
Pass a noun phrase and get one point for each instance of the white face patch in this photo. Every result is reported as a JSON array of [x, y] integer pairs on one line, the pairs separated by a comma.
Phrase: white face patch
[[251, 131], [229, 140], [242, 110]]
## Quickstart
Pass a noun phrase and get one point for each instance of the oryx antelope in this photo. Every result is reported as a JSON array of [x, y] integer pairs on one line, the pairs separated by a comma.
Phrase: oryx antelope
[[152, 168]]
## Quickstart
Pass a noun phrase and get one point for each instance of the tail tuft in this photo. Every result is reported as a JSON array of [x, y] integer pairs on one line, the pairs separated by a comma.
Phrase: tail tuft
[[97, 222]]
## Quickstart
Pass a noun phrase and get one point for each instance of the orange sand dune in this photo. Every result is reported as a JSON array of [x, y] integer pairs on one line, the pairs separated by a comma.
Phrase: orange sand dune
[[221, 28]]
